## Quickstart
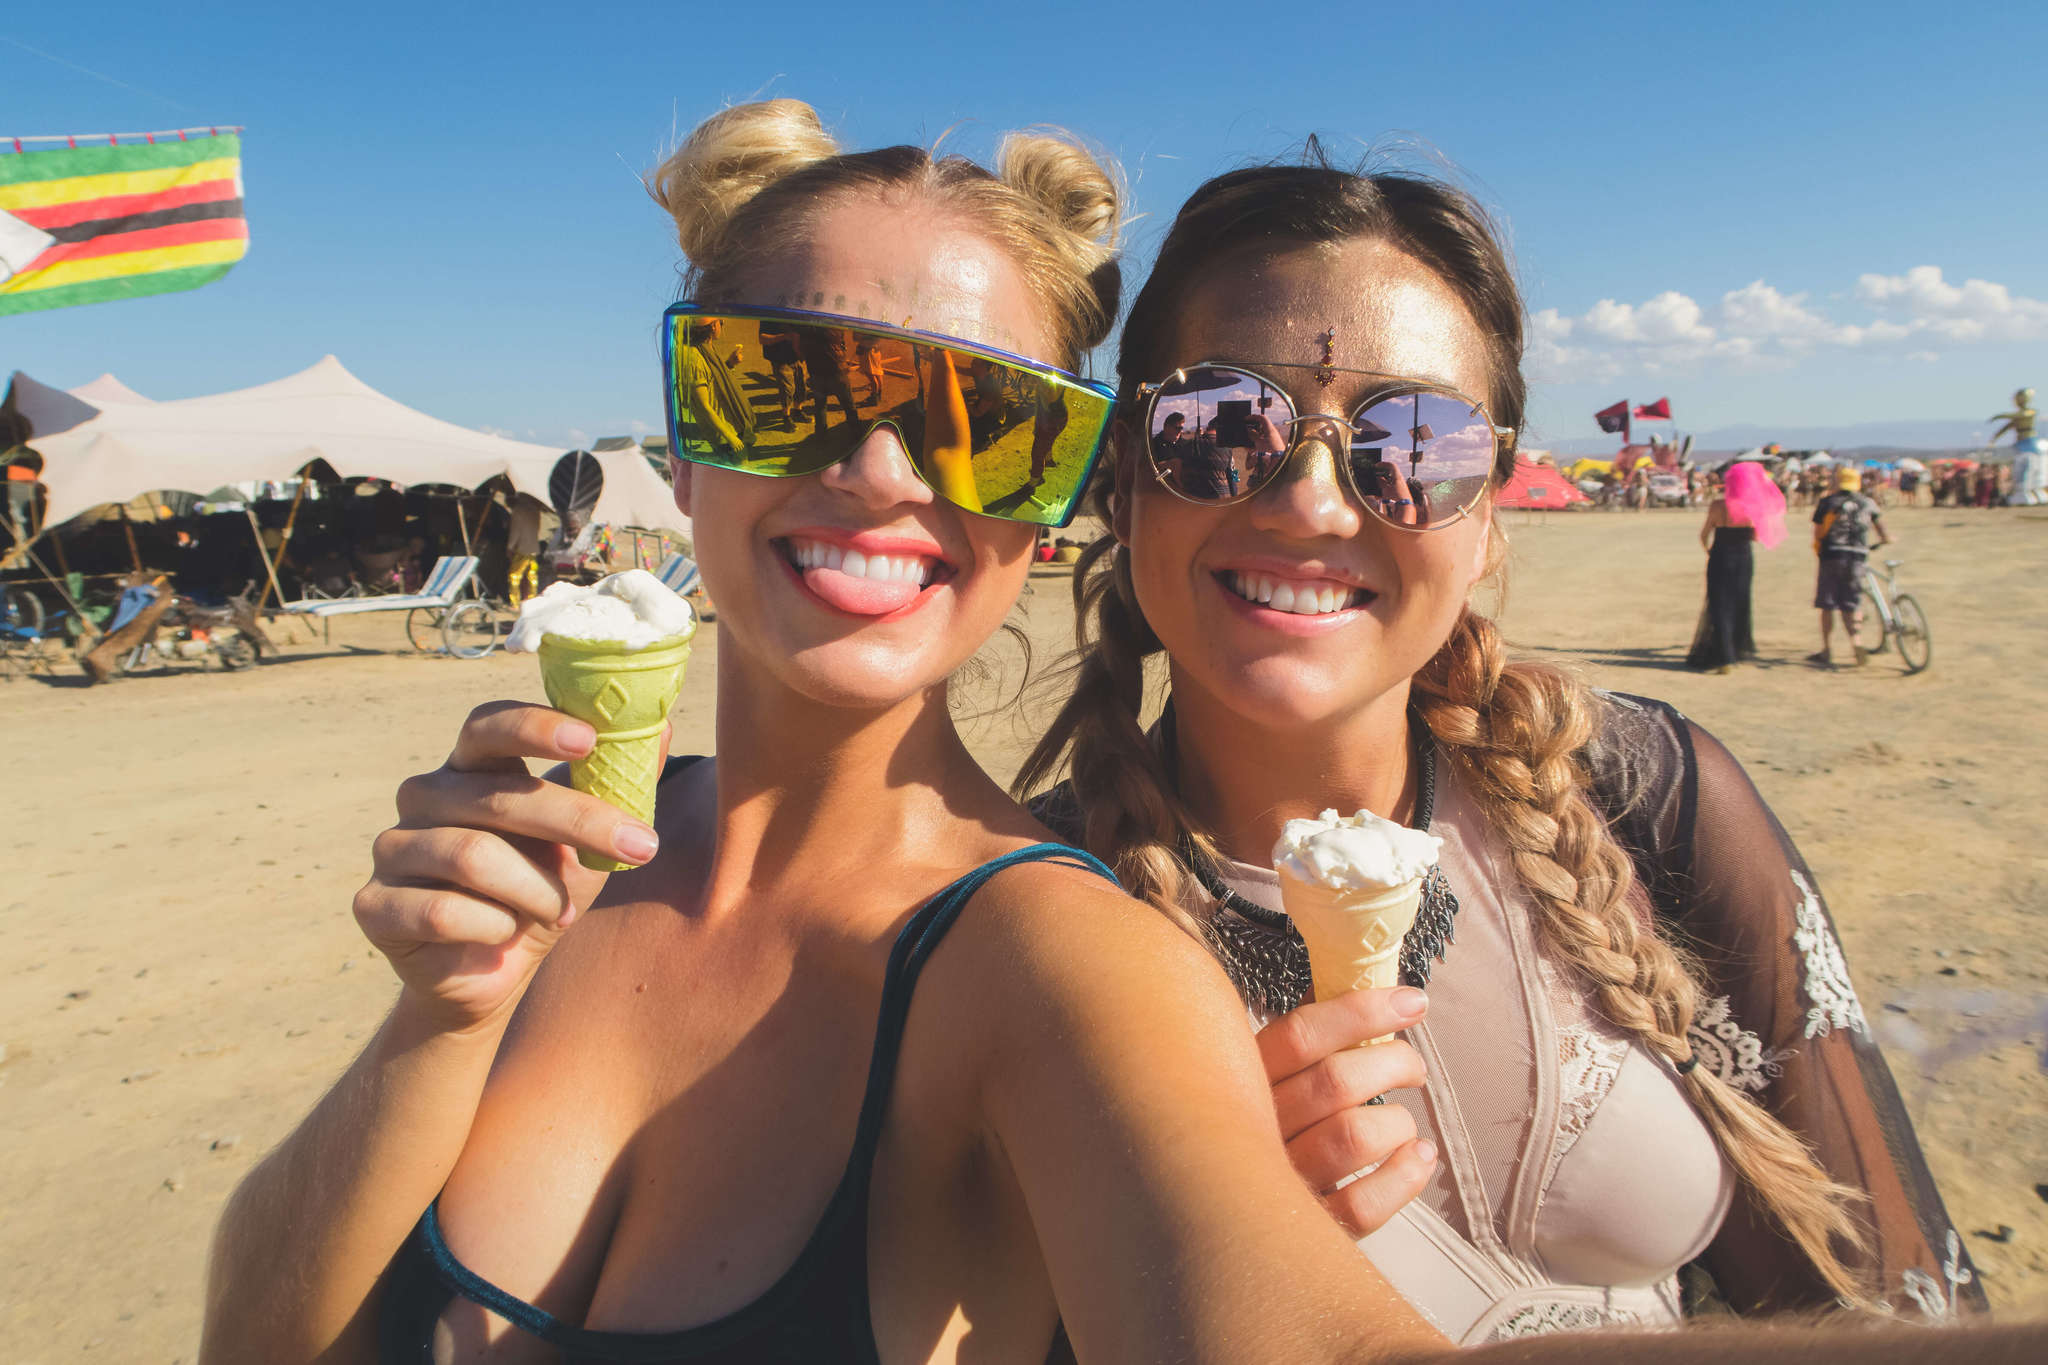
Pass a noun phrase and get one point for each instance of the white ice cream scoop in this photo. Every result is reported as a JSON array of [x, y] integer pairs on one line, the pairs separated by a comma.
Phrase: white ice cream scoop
[[1352, 885], [633, 609]]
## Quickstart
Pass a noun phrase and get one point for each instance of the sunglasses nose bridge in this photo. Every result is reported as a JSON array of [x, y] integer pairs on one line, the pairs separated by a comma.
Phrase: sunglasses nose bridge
[[880, 469]]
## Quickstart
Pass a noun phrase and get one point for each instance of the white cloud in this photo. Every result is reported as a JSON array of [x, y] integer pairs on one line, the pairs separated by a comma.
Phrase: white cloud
[[1762, 326], [1975, 310]]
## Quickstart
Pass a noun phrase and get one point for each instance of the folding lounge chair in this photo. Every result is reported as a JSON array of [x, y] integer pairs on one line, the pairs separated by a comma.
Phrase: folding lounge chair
[[678, 573], [21, 648], [444, 586], [451, 580]]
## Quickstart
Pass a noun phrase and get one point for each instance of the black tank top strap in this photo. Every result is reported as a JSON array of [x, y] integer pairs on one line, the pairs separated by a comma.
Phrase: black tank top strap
[[818, 1309], [914, 947], [675, 765]]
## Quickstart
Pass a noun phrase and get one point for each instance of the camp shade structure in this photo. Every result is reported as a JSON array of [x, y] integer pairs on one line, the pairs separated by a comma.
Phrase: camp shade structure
[[1538, 487], [94, 224], [272, 431]]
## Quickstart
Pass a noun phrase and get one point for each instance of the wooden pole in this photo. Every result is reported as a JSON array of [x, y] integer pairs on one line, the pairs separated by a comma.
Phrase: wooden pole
[[129, 530], [256, 529], [462, 525], [283, 543]]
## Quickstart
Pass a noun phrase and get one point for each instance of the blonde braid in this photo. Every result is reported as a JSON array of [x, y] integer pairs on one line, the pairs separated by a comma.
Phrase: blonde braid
[[1131, 816], [1514, 732]]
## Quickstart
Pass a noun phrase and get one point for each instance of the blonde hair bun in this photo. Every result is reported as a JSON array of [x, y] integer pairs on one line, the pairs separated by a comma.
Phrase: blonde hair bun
[[1076, 188], [728, 159]]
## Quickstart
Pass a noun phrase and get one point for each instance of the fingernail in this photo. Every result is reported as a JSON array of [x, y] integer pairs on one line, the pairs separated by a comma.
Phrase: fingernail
[[634, 843], [1425, 1149], [576, 736], [1409, 1003]]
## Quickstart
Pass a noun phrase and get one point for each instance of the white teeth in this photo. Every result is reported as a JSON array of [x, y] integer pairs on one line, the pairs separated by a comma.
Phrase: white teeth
[[884, 568], [1313, 598]]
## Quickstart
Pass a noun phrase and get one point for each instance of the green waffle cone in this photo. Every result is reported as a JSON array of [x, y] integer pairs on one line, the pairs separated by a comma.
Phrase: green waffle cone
[[625, 695]]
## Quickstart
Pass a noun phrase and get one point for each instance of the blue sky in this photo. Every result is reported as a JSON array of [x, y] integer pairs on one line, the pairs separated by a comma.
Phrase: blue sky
[[1823, 216]]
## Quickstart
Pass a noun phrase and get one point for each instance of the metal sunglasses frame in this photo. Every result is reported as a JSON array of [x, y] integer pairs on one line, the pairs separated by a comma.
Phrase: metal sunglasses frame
[[1401, 386], [689, 308]]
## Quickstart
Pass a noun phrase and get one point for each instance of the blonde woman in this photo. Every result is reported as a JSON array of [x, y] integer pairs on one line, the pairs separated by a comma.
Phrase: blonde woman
[[1643, 1048]]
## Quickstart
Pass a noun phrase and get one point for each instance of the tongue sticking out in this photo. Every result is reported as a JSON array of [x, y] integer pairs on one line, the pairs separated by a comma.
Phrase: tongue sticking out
[[860, 596]]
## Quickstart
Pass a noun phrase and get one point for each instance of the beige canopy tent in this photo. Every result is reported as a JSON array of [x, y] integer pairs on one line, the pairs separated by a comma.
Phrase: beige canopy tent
[[107, 389], [271, 431]]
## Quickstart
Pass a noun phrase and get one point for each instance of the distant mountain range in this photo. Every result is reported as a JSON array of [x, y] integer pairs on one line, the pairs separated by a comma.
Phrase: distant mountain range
[[1869, 439]]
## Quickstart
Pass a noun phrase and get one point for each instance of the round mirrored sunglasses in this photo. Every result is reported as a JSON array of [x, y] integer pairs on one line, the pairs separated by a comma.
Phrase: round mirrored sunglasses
[[1416, 456]]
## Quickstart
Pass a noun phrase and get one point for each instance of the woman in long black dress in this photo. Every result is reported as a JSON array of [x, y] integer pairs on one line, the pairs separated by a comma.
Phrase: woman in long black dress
[[1749, 511]]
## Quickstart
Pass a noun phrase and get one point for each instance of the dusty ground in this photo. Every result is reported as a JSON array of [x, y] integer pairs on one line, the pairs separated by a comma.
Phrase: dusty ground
[[182, 977]]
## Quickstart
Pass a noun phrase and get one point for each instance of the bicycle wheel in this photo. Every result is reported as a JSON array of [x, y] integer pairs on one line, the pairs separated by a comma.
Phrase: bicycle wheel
[[423, 628], [27, 607], [471, 630], [1870, 635], [1916, 642]]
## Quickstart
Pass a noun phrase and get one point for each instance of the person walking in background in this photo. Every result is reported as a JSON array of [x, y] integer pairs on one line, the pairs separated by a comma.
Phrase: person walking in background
[[1843, 523], [828, 355], [786, 366], [1750, 510], [522, 544]]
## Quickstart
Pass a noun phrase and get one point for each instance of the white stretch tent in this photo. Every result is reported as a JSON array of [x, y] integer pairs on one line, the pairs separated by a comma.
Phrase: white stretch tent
[[323, 412], [48, 409], [107, 389]]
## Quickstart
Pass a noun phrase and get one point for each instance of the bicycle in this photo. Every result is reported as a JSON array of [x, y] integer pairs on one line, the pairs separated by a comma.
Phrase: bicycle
[[468, 629], [1892, 616]]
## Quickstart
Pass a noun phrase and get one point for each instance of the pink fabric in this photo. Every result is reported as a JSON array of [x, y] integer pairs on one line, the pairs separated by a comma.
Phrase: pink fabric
[[1753, 500]]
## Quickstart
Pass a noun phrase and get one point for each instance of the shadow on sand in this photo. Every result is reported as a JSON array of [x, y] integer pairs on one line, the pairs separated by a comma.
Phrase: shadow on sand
[[1665, 658]]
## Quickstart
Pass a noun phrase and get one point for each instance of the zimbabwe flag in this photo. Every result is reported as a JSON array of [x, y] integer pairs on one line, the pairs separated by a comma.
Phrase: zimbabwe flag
[[124, 221]]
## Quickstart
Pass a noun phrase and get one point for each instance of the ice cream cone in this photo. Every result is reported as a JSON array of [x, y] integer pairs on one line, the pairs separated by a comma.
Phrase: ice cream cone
[[1353, 937], [625, 694]]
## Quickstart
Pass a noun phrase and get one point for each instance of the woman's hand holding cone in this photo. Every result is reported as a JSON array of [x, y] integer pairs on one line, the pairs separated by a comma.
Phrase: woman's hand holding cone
[[1321, 1080], [480, 876]]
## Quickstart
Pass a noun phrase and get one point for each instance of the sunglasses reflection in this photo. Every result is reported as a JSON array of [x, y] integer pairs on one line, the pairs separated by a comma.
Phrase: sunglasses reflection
[[1414, 460], [984, 435]]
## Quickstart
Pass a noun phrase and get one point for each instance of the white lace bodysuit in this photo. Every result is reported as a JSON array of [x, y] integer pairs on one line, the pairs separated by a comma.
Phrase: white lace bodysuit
[[1575, 1177]]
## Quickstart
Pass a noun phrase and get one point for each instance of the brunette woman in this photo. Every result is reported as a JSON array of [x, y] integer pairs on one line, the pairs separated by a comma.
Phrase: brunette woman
[[1749, 512], [1643, 1047]]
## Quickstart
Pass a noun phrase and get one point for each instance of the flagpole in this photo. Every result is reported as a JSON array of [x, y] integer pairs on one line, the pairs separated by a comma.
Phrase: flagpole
[[73, 139]]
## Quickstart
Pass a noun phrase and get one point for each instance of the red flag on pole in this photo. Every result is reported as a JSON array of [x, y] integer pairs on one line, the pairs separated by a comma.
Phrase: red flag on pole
[[1614, 418], [1659, 411]]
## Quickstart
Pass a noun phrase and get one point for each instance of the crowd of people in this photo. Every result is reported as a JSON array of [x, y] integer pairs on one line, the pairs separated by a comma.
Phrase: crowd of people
[[867, 1061]]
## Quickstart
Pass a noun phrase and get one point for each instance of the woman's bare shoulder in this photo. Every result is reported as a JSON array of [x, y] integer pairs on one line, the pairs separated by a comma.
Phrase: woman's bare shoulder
[[1052, 953]]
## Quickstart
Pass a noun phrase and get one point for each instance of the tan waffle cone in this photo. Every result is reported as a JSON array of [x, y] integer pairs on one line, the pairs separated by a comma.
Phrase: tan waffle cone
[[1353, 937], [626, 695]]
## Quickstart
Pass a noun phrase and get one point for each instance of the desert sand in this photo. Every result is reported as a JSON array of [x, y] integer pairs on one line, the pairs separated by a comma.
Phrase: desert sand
[[183, 977]]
